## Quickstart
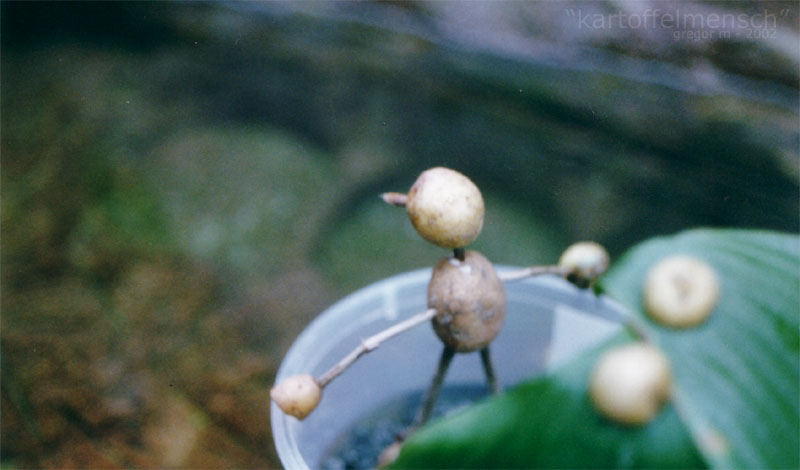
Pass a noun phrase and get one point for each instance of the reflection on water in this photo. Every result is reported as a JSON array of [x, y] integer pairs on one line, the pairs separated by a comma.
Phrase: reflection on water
[[184, 186]]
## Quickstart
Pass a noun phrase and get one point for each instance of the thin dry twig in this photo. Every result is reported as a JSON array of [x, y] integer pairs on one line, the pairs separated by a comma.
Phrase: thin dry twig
[[372, 343], [432, 394], [395, 199], [533, 271]]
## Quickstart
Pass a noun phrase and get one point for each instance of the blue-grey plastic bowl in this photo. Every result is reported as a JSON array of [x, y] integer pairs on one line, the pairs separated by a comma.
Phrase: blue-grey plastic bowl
[[548, 321]]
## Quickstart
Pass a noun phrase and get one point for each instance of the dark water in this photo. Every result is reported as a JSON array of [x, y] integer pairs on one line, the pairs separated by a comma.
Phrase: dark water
[[364, 442]]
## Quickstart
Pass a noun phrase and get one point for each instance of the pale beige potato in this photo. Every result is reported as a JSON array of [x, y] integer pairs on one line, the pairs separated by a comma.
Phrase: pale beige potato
[[297, 395], [630, 384], [445, 207], [389, 454], [681, 291], [470, 302], [585, 262]]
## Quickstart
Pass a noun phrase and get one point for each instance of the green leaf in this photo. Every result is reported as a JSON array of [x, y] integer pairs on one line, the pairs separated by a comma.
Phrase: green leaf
[[736, 379], [737, 375], [549, 423]]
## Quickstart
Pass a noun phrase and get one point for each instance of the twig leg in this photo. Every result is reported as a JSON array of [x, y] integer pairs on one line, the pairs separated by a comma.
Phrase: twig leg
[[432, 394], [491, 379]]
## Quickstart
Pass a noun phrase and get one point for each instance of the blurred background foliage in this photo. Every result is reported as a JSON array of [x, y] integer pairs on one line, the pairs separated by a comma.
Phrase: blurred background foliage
[[186, 185]]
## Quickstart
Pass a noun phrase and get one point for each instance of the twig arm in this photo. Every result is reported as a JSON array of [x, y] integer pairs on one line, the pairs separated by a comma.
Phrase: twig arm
[[533, 271], [372, 343]]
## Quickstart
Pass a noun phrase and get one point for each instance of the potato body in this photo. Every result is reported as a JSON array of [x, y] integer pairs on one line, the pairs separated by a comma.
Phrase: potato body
[[470, 302], [445, 207]]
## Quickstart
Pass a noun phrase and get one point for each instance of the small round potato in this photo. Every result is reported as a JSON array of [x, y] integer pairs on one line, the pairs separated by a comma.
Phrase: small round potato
[[630, 383], [297, 395], [584, 262], [445, 207], [470, 302], [680, 291]]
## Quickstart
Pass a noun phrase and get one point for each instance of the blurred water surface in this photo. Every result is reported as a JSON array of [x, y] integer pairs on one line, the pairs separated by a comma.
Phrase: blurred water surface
[[184, 186]]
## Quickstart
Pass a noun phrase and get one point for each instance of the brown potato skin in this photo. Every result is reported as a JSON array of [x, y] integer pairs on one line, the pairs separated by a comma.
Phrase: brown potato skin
[[470, 302]]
